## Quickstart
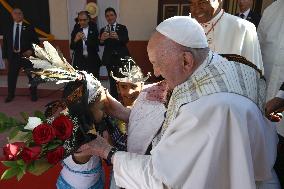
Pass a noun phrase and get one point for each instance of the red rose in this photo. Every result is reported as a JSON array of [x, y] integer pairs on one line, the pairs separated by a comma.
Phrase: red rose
[[63, 127], [43, 134], [11, 150], [55, 156], [31, 154]]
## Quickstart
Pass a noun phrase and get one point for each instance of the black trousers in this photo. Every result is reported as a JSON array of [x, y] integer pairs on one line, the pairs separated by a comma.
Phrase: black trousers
[[91, 63], [16, 62]]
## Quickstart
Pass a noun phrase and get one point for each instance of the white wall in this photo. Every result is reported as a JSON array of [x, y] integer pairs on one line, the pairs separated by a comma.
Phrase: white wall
[[59, 19], [140, 17]]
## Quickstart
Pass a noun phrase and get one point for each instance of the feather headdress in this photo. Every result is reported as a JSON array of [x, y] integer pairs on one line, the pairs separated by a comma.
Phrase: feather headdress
[[50, 65]]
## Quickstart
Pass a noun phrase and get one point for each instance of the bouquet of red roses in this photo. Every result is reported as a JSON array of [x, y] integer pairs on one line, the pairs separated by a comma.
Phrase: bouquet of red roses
[[38, 144]]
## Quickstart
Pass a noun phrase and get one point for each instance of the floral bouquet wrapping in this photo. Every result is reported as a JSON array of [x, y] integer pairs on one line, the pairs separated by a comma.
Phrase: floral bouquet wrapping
[[42, 140]]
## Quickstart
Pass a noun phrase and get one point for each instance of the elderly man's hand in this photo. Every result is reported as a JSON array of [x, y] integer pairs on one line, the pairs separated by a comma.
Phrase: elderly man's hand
[[273, 107], [99, 147]]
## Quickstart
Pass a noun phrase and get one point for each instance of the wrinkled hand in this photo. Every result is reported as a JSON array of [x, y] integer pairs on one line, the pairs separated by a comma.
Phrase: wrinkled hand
[[28, 53], [99, 147], [113, 35], [273, 108]]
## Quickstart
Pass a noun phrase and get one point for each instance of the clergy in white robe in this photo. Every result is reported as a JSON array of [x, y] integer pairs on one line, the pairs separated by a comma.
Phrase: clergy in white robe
[[270, 32], [214, 134], [227, 34]]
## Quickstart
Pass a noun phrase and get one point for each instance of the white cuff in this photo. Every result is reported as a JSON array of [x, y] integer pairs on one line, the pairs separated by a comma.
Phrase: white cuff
[[280, 94]]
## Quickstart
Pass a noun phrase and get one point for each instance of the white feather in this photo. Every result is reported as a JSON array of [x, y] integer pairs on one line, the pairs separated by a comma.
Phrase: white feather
[[40, 63]]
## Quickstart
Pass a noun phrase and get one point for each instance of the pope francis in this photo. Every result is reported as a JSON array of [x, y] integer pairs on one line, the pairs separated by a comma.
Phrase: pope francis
[[214, 135]]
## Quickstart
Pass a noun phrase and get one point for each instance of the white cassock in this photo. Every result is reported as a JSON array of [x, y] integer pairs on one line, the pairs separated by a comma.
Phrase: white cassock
[[270, 32], [145, 119], [232, 35], [219, 141], [228, 131]]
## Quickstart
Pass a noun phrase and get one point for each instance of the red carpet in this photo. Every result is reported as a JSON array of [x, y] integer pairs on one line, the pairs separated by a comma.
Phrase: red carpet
[[45, 181]]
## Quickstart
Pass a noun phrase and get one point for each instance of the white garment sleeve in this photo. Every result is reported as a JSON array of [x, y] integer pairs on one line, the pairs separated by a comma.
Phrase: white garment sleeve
[[251, 47], [280, 94], [134, 171]]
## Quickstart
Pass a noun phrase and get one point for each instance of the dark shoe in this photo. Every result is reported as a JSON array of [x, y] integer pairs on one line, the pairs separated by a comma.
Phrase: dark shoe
[[34, 98], [9, 99]]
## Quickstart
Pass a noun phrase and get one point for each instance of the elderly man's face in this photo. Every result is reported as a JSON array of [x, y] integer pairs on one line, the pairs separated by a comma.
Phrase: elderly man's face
[[244, 5], [204, 10], [17, 15], [167, 60]]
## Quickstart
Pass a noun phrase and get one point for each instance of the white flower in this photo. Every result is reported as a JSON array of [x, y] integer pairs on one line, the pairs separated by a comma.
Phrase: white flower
[[33, 122]]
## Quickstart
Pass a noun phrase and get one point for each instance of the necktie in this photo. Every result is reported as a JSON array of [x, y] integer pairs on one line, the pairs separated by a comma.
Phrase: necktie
[[112, 28], [242, 16], [17, 36]]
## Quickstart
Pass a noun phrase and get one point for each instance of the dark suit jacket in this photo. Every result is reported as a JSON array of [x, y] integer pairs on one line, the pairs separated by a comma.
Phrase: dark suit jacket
[[28, 37], [253, 17], [92, 41], [114, 46]]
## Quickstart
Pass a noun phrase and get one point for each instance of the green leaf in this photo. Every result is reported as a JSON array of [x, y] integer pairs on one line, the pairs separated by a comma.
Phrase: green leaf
[[21, 162], [52, 146], [3, 116], [10, 163], [39, 167], [31, 167], [20, 175], [40, 115], [13, 133], [25, 116], [9, 173]]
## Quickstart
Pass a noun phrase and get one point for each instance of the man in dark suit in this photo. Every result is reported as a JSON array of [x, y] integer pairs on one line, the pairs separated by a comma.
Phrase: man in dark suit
[[246, 12], [114, 38], [17, 46], [85, 44]]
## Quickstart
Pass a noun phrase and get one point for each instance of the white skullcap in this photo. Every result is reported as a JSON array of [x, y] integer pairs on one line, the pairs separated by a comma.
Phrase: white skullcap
[[183, 30]]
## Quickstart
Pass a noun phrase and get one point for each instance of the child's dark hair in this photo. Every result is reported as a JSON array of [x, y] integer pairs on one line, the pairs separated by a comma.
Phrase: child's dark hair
[[110, 9]]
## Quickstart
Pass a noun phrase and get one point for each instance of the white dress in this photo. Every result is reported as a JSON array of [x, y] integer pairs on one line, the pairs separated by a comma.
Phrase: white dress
[[145, 120]]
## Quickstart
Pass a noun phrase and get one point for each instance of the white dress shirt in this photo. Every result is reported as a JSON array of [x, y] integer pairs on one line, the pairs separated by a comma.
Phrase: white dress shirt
[[246, 13], [85, 50]]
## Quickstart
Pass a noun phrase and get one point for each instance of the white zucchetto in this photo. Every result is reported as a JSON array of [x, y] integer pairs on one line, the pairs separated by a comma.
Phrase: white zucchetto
[[183, 30]]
